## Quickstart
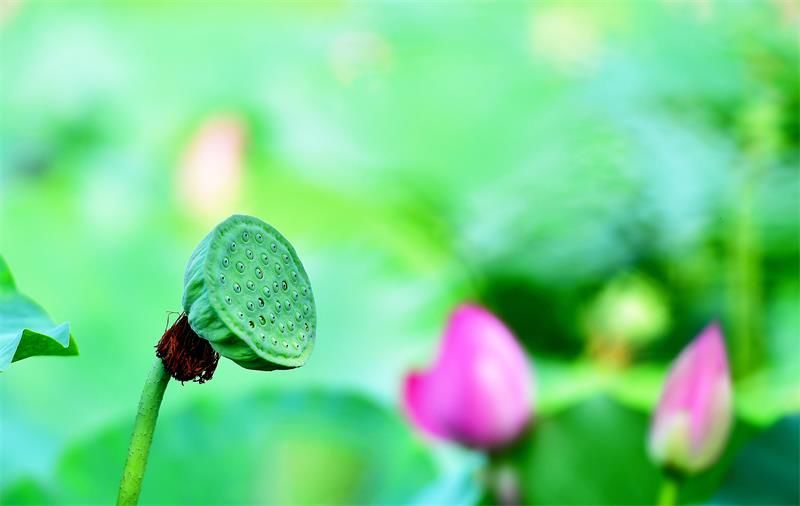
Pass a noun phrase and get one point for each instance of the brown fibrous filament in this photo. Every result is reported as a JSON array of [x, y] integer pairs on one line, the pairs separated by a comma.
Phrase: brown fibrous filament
[[185, 355]]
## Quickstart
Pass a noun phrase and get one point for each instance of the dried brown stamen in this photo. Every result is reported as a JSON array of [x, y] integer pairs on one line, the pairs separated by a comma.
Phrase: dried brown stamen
[[185, 355]]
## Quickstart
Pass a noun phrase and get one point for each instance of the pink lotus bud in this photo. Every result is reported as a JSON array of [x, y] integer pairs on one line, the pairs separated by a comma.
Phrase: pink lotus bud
[[480, 390], [211, 169], [693, 418]]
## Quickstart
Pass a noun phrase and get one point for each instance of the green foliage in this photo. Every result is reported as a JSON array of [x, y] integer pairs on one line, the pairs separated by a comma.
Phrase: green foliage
[[599, 446], [25, 329], [767, 469], [460, 487], [293, 448], [25, 491]]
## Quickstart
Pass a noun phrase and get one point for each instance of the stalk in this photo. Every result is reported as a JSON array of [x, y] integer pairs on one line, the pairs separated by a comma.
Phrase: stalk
[[143, 429], [668, 495], [502, 479], [745, 292]]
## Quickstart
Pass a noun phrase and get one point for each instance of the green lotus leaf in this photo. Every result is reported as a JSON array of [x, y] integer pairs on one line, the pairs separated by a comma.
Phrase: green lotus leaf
[[298, 447], [25, 328]]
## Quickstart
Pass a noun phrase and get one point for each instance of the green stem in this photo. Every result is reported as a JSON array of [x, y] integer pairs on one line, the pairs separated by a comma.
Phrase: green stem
[[668, 495], [746, 278], [502, 479], [143, 428]]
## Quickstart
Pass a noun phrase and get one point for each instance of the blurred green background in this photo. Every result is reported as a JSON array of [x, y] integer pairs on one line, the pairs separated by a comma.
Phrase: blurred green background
[[606, 176]]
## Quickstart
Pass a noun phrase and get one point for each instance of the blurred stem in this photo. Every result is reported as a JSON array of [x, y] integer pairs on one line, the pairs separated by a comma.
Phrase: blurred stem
[[143, 428], [503, 481], [668, 495], [746, 278]]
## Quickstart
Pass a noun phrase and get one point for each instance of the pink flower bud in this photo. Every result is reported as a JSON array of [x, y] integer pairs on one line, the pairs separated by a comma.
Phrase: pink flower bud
[[211, 169], [480, 390], [693, 417]]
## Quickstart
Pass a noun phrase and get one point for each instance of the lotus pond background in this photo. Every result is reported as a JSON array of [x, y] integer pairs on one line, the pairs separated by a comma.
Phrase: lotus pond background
[[606, 176]]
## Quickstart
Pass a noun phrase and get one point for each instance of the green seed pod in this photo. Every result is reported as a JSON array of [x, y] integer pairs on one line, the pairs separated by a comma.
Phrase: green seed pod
[[247, 294]]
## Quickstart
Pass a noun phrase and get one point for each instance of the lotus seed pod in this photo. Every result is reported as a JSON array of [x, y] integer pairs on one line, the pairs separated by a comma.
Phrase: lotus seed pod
[[246, 293]]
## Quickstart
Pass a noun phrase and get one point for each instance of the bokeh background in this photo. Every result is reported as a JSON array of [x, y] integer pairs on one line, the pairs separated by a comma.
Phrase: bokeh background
[[606, 176]]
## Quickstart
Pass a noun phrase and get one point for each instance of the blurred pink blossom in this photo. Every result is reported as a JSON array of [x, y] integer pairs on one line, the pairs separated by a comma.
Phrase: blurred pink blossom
[[693, 417], [9, 9], [480, 390], [211, 169]]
